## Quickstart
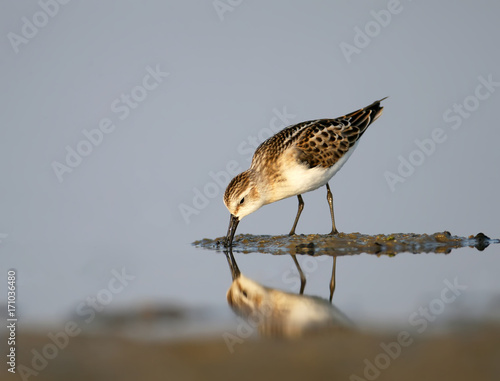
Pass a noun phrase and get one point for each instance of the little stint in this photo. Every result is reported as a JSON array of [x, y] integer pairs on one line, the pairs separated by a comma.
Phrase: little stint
[[298, 159]]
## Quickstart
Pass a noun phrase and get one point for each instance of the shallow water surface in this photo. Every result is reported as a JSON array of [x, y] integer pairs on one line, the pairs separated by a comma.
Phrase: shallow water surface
[[350, 243], [403, 301]]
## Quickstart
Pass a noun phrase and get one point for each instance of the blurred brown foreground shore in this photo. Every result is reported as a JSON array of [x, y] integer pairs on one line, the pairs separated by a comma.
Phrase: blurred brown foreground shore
[[470, 353]]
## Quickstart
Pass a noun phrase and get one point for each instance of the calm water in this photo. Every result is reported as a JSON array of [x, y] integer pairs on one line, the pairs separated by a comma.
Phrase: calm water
[[122, 209], [54, 286]]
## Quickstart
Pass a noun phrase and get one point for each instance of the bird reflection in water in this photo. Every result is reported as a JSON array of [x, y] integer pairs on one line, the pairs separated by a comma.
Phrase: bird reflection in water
[[278, 313]]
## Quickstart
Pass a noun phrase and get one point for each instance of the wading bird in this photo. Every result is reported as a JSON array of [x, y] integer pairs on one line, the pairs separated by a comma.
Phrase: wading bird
[[296, 160]]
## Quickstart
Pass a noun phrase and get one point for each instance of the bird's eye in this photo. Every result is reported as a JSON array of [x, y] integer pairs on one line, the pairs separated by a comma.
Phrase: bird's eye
[[242, 200], [245, 294]]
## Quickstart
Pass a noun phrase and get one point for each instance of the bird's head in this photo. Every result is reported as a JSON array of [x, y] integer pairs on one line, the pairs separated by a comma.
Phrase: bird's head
[[246, 296], [242, 196]]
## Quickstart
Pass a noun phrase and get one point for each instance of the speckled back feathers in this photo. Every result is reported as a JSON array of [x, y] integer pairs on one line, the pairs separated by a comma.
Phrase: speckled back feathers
[[298, 159], [319, 142]]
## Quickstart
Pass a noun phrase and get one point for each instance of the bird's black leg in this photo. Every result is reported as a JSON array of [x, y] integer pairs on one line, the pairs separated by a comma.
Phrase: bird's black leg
[[329, 197], [301, 206]]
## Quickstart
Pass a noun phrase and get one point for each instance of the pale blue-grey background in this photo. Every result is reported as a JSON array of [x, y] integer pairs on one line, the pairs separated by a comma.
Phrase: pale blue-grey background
[[121, 206]]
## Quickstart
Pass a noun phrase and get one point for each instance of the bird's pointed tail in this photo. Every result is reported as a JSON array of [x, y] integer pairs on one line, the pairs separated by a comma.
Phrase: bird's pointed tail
[[362, 118]]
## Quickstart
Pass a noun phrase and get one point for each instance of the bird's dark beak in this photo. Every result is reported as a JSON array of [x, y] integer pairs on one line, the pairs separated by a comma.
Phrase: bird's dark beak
[[233, 224]]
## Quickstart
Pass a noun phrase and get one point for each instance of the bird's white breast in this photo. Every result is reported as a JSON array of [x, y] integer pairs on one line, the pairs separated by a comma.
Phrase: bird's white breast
[[301, 179]]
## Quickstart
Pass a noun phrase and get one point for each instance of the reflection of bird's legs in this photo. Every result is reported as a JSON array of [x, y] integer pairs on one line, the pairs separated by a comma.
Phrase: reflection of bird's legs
[[332, 281], [301, 206], [302, 276]]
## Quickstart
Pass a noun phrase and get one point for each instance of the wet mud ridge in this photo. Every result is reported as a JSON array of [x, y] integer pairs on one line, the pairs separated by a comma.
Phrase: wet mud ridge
[[350, 243]]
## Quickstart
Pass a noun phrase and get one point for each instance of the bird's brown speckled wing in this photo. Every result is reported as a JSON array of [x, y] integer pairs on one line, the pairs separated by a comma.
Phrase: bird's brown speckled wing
[[325, 141], [271, 149]]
